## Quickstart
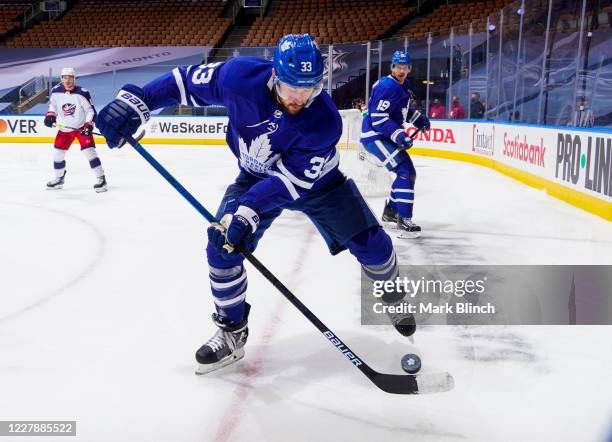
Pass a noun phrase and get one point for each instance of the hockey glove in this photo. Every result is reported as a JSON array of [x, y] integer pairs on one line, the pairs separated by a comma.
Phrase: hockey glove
[[233, 229], [123, 116], [420, 121], [404, 141], [50, 119], [87, 129]]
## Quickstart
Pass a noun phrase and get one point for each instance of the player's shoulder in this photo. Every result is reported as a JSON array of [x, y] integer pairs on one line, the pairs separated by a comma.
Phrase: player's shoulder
[[58, 88], [81, 91], [388, 88], [245, 73], [389, 84], [322, 121]]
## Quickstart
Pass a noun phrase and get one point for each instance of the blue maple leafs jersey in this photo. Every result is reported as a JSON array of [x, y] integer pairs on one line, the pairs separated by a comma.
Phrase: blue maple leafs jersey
[[387, 110], [292, 154]]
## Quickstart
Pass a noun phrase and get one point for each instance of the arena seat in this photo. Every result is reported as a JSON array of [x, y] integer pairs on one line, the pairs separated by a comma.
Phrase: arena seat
[[130, 23]]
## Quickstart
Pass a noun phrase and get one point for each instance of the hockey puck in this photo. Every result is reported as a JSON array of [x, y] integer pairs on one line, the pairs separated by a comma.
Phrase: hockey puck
[[411, 363]]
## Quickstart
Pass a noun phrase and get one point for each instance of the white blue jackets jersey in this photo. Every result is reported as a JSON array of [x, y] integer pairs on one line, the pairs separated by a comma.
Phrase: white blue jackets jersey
[[71, 108], [387, 110], [291, 154]]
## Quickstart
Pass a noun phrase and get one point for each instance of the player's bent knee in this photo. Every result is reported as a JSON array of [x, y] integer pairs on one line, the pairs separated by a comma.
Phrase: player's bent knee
[[406, 171], [371, 247]]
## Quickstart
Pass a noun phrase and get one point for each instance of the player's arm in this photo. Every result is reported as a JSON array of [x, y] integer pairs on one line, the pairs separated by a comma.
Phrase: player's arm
[[88, 107], [51, 115], [90, 113], [188, 85], [418, 119], [382, 103], [291, 177]]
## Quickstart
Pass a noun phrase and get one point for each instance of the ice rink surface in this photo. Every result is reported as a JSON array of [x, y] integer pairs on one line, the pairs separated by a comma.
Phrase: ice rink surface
[[105, 299]]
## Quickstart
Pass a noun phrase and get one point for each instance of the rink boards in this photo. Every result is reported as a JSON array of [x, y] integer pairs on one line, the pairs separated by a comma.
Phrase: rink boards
[[572, 164]]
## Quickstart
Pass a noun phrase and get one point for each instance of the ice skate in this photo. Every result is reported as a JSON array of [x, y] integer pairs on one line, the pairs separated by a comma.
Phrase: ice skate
[[225, 347], [404, 323], [100, 185], [56, 183], [407, 229], [389, 214]]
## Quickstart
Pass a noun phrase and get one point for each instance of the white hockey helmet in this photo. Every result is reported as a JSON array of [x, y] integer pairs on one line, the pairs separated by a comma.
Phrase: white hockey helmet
[[68, 71]]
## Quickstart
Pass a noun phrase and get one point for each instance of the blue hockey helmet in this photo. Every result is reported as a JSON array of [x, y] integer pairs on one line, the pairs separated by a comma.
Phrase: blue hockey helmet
[[298, 61], [401, 57]]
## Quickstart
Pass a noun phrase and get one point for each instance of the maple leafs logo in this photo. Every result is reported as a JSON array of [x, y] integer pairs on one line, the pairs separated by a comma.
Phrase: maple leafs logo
[[256, 157]]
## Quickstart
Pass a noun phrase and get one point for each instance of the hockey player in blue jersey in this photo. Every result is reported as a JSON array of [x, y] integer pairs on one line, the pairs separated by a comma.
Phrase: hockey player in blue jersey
[[283, 129], [383, 135]]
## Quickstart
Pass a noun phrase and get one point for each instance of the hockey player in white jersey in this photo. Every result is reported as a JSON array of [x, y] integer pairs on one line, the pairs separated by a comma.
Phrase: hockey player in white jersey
[[383, 135], [72, 112]]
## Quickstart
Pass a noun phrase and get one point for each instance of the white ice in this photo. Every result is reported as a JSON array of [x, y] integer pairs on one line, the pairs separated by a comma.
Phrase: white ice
[[105, 299]]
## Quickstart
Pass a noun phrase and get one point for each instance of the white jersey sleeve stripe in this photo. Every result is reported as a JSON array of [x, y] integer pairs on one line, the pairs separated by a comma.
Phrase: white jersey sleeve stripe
[[290, 187], [330, 165], [381, 121], [292, 178], [180, 85]]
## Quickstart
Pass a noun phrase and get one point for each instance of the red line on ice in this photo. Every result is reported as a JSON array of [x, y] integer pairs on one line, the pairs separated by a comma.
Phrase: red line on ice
[[231, 417]]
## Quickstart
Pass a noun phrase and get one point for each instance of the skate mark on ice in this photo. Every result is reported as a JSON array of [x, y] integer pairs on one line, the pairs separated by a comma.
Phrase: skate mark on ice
[[484, 344], [431, 248], [99, 249]]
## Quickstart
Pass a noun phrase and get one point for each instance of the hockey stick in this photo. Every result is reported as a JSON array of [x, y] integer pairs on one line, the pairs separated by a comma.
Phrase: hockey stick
[[390, 383], [61, 126], [399, 149]]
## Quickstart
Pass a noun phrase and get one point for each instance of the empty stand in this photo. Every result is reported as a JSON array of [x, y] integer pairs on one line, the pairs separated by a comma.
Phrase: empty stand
[[131, 23], [454, 15], [11, 16], [330, 21]]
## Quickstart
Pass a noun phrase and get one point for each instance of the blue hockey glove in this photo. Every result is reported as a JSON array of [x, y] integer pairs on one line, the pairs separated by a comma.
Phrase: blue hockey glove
[[404, 141], [123, 116], [420, 121], [233, 229]]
